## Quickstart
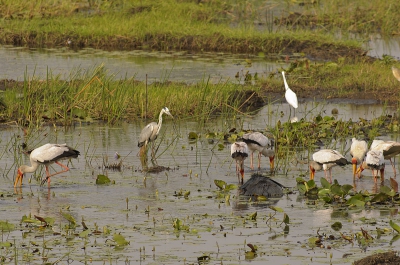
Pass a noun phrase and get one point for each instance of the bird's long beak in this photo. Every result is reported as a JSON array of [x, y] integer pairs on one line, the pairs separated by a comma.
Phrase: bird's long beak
[[312, 172], [354, 167], [271, 163], [19, 178], [359, 170]]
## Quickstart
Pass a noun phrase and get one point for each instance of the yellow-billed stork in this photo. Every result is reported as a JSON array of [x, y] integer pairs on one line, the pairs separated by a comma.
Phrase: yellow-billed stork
[[257, 141], [239, 152], [326, 159], [45, 155], [389, 149], [358, 150], [374, 161]]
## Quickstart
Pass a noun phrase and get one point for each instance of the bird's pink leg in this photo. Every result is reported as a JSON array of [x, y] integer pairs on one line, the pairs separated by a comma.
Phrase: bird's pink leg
[[63, 166], [394, 169], [330, 175], [259, 159], [251, 161]]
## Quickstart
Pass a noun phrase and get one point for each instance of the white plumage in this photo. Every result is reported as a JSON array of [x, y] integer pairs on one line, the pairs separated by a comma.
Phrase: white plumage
[[389, 149], [257, 141], [290, 96], [239, 152], [374, 161], [326, 159], [358, 150], [46, 155]]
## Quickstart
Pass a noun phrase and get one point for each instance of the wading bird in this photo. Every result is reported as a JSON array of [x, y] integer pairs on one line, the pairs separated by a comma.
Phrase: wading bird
[[239, 153], [259, 185], [290, 96], [257, 141], [326, 159], [389, 149], [374, 161], [396, 72], [45, 155], [358, 150], [150, 132]]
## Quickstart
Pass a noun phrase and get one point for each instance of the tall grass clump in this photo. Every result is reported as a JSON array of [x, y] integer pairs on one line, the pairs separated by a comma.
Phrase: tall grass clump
[[96, 95]]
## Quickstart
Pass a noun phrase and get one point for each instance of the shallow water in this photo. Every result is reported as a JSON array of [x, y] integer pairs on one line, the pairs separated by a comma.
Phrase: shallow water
[[216, 228]]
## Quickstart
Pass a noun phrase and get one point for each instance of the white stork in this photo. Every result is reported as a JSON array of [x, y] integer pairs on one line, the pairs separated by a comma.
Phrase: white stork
[[326, 159], [374, 161], [358, 150], [389, 149], [45, 155], [239, 152], [257, 141]]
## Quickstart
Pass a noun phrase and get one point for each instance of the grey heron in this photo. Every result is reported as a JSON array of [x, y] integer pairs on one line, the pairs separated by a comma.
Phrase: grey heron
[[358, 150], [374, 161], [389, 149], [150, 132], [239, 152], [257, 141], [326, 159], [45, 155]]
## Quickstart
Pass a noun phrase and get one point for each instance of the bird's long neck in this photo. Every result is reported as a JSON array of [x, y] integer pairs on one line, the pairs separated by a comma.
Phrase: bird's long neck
[[29, 169], [284, 80], [160, 121]]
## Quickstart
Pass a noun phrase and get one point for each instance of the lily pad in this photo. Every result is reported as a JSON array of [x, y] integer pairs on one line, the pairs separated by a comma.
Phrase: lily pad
[[102, 179]]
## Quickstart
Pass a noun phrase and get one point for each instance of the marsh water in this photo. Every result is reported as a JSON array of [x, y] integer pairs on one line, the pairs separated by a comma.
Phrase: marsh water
[[142, 207]]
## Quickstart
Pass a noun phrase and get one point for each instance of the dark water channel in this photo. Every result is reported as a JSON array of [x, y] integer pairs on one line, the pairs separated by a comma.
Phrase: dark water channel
[[142, 207]]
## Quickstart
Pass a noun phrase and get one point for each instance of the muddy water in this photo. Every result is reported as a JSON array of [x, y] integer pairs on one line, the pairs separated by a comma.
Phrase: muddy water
[[214, 227], [158, 66]]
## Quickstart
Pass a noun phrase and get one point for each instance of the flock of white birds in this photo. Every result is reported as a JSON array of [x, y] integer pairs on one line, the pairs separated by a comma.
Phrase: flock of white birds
[[372, 158]]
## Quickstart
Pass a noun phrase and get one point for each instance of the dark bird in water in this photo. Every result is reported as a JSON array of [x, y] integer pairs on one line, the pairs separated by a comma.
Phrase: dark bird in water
[[259, 185]]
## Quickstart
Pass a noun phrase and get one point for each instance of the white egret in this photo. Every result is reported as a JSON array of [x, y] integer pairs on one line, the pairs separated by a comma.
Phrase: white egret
[[290, 96]]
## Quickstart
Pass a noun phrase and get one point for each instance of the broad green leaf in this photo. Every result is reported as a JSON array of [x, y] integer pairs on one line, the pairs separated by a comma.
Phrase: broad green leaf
[[323, 192], [336, 226], [220, 184], [325, 184], [355, 201], [193, 136], [286, 219], [102, 179], [120, 240], [69, 218], [380, 197], [231, 187], [5, 226], [84, 234], [395, 226], [276, 209], [346, 188]]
